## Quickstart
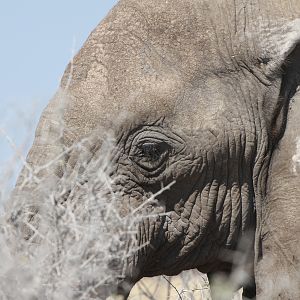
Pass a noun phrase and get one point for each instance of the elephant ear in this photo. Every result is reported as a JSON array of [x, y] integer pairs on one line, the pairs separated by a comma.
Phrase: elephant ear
[[285, 63], [279, 222]]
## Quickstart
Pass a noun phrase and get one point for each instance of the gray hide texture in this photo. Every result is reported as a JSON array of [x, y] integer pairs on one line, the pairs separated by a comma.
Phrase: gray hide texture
[[197, 92]]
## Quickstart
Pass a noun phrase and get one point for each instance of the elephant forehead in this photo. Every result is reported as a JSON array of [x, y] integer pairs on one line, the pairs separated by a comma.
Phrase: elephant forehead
[[144, 54], [194, 36], [179, 104], [140, 59]]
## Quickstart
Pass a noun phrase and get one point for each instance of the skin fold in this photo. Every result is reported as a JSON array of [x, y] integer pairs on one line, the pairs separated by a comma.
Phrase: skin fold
[[201, 95]]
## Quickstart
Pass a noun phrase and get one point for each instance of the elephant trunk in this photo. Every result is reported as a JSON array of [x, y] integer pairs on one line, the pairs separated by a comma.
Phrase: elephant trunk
[[42, 168]]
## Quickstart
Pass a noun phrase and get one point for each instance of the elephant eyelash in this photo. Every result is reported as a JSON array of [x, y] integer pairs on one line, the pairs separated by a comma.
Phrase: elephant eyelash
[[264, 60]]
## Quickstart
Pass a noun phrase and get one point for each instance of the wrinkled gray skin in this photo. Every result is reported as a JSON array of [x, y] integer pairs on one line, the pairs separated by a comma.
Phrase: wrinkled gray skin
[[204, 89]]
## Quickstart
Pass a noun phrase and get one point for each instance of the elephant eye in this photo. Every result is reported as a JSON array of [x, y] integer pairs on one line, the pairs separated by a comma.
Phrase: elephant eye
[[151, 151], [151, 155]]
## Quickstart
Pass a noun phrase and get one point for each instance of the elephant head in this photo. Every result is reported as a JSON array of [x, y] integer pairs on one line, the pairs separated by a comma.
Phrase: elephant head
[[197, 95]]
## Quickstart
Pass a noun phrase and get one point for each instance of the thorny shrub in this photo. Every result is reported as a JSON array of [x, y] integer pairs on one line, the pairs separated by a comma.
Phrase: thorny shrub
[[76, 243]]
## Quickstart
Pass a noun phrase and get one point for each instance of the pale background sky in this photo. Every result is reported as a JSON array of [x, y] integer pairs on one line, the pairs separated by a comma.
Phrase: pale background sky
[[37, 40]]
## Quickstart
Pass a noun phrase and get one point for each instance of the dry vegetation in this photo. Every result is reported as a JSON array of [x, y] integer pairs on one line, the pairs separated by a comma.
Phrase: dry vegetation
[[77, 249]]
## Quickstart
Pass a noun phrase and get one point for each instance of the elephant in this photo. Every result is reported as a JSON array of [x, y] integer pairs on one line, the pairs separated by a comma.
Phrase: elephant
[[202, 99]]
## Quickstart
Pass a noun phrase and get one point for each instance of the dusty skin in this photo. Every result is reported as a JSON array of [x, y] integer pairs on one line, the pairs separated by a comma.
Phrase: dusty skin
[[199, 102]]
